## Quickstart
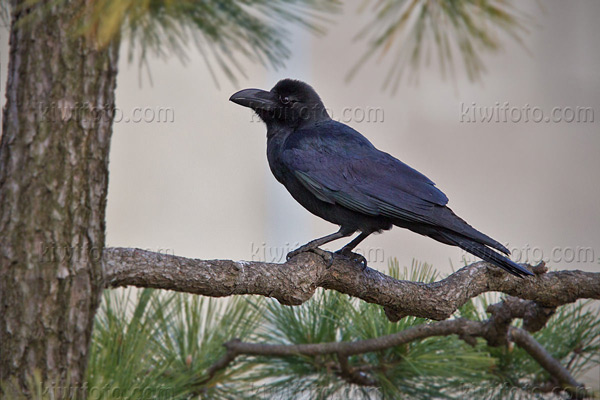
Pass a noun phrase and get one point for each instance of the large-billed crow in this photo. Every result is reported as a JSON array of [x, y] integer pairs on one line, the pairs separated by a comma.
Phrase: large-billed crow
[[337, 174]]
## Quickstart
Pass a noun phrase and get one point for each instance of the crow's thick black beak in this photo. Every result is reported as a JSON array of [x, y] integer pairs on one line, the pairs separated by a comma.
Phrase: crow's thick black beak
[[255, 99]]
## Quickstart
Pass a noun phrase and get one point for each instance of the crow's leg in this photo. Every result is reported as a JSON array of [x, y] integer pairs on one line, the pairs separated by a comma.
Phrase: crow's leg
[[313, 245], [347, 249], [355, 242]]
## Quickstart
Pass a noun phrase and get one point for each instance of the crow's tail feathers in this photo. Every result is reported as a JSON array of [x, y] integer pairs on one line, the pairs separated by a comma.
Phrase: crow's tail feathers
[[486, 254]]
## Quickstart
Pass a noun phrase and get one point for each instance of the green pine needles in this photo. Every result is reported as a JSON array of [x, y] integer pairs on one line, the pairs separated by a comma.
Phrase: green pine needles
[[161, 345], [407, 34], [447, 32]]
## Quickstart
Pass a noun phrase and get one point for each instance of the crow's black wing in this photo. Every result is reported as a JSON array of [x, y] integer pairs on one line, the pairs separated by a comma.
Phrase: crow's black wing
[[339, 165]]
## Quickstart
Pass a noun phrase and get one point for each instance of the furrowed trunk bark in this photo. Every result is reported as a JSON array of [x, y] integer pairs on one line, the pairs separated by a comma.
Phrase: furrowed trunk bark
[[56, 131]]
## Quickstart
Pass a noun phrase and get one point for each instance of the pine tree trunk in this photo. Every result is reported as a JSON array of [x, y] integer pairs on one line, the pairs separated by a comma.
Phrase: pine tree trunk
[[56, 131]]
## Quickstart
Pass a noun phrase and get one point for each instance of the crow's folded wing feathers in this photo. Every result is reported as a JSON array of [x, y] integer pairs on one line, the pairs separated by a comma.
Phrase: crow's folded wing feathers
[[338, 165]]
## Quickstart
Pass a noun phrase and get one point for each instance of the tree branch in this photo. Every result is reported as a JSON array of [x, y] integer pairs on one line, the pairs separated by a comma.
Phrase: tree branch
[[465, 329], [533, 299], [549, 363], [295, 281]]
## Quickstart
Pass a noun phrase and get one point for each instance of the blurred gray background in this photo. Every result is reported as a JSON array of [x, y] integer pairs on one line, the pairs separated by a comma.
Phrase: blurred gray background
[[188, 171], [197, 183]]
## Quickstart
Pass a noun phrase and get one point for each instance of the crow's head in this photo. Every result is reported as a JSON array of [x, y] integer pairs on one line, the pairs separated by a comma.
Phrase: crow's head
[[290, 103]]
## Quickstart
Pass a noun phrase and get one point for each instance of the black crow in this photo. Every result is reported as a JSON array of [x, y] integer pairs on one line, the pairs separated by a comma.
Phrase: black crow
[[337, 174]]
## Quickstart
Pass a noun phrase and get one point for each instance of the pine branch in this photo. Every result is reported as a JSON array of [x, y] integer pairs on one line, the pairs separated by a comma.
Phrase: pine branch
[[466, 330], [295, 281], [532, 299], [226, 33], [456, 33], [549, 363]]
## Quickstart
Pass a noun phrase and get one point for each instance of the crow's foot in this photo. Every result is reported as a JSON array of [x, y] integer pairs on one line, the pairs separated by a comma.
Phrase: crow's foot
[[354, 257], [326, 255]]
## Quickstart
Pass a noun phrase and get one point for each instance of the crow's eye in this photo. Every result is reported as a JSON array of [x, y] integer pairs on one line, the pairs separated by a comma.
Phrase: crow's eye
[[286, 100]]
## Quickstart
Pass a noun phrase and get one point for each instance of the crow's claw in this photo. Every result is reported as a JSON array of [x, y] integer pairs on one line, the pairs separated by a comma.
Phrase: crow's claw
[[354, 257], [294, 253], [326, 255]]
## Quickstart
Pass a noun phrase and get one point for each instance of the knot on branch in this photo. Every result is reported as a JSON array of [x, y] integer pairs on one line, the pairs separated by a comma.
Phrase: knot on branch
[[540, 268], [393, 314], [534, 315], [352, 374]]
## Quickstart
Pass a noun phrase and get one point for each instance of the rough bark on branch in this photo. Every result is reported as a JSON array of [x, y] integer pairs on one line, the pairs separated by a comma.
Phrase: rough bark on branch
[[533, 299], [295, 281], [550, 364]]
